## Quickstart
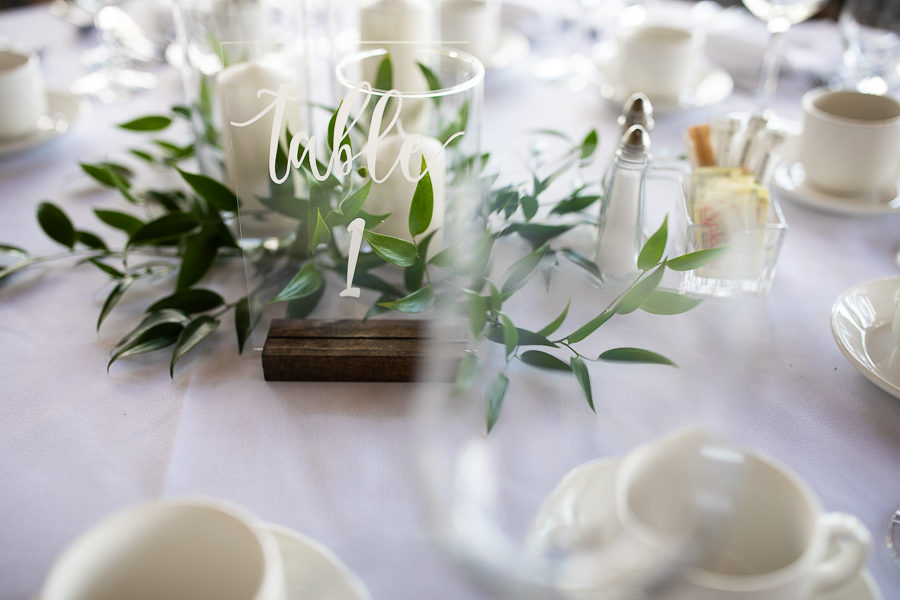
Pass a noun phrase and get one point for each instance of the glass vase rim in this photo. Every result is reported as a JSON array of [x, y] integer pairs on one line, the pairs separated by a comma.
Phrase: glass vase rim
[[475, 78]]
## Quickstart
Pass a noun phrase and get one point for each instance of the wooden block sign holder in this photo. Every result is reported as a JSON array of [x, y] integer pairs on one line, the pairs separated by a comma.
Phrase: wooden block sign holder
[[356, 350]]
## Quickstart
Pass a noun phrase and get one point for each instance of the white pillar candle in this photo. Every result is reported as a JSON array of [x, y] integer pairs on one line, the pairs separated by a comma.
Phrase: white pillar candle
[[399, 26], [247, 148], [395, 193], [473, 26]]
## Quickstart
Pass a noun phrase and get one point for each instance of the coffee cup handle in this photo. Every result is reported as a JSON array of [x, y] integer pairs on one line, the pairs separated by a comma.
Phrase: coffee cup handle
[[847, 542]]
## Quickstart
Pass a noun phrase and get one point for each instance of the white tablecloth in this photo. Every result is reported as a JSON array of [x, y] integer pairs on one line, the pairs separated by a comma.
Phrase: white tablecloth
[[336, 461]]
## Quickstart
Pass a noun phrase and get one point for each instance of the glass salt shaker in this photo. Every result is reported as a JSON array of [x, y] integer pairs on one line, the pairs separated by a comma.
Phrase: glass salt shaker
[[621, 226]]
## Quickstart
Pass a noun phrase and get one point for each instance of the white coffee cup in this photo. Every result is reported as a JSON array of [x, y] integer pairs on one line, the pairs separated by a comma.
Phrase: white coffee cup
[[744, 527], [22, 93], [472, 26], [191, 550], [850, 142], [658, 60]]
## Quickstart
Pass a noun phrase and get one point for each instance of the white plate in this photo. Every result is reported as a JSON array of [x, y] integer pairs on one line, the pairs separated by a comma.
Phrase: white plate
[[789, 179], [711, 84], [583, 503], [861, 324], [63, 109], [313, 571]]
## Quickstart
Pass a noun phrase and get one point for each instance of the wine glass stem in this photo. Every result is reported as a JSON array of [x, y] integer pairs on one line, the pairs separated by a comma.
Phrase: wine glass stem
[[768, 77]]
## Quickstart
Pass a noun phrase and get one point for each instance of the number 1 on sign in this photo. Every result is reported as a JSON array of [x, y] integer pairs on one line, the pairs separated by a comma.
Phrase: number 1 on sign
[[356, 228]]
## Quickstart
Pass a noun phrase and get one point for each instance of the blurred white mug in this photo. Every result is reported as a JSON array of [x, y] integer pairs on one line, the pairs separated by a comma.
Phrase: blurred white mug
[[22, 93], [850, 143], [658, 60], [193, 550]]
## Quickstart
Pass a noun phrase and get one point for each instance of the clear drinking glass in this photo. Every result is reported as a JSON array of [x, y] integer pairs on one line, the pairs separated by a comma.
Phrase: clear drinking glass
[[871, 32], [779, 16]]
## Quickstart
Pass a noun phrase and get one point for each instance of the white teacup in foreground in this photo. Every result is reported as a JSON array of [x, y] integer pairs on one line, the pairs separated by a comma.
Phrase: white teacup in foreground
[[745, 527], [177, 551], [22, 95], [658, 60], [851, 141]]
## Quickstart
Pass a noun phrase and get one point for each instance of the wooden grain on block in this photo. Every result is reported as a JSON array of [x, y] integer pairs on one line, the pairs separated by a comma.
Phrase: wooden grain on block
[[354, 350]]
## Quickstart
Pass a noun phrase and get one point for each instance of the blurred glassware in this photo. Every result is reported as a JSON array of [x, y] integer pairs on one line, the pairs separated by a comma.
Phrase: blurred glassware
[[779, 16], [871, 32], [123, 47]]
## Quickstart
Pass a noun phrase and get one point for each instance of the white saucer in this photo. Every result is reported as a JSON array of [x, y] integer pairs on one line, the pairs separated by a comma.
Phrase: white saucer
[[583, 504], [313, 571], [861, 324], [789, 179], [63, 109], [711, 84], [511, 48]]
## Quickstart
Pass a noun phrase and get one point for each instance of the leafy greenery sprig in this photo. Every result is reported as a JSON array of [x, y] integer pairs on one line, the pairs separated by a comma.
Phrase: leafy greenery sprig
[[188, 234]]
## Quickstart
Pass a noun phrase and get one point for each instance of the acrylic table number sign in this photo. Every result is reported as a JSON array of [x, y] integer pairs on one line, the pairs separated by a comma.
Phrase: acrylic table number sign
[[370, 201]]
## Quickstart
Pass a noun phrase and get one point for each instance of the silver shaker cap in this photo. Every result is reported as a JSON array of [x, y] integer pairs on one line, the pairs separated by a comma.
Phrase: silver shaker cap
[[637, 110], [635, 142]]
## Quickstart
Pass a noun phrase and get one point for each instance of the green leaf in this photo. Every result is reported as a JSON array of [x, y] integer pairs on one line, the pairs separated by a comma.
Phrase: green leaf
[[13, 251], [141, 154], [652, 252], [584, 379], [542, 360], [300, 308], [510, 335], [384, 76], [493, 400], [589, 144], [15, 268], [194, 300], [198, 257], [353, 203], [152, 320], [664, 302], [419, 301], [444, 258], [289, 206], [172, 201], [119, 220], [536, 233], [192, 334], [345, 141], [112, 272], [468, 372], [216, 194], [422, 207], [413, 276], [519, 271], [557, 322], [573, 204], [376, 309], [90, 240], [476, 309], [108, 174], [393, 250], [695, 260], [590, 327], [638, 294], [582, 261], [530, 338], [635, 355], [113, 298], [56, 224], [167, 228], [182, 111], [247, 313], [373, 221], [434, 83], [156, 338], [529, 206], [321, 234], [457, 125], [304, 283], [373, 282], [149, 123]]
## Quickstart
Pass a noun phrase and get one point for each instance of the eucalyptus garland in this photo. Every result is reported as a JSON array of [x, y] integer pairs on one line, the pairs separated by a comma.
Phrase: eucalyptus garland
[[188, 234]]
